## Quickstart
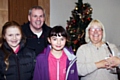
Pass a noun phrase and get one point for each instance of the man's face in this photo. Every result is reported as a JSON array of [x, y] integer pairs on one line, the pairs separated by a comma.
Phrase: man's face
[[36, 19]]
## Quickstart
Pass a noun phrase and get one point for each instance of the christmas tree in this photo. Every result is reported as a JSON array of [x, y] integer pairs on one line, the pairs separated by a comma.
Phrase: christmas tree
[[81, 17]]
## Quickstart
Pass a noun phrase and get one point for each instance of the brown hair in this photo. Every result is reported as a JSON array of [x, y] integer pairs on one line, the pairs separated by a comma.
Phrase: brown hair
[[4, 28]]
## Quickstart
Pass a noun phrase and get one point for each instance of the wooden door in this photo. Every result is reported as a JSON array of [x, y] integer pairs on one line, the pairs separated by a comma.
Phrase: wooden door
[[46, 5], [18, 10]]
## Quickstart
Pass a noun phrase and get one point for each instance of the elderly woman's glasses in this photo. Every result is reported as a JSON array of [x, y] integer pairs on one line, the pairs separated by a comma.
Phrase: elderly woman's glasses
[[95, 29]]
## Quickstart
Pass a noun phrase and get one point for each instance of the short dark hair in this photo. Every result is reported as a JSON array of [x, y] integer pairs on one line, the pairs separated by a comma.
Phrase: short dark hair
[[58, 31]]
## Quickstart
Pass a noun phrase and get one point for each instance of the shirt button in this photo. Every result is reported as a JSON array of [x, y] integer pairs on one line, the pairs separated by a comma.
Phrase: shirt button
[[38, 42]]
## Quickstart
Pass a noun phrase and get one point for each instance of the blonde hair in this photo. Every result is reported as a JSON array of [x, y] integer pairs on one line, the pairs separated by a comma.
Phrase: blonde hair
[[97, 22]]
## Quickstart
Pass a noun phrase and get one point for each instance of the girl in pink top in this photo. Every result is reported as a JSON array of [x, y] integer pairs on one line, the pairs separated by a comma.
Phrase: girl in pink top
[[57, 62]]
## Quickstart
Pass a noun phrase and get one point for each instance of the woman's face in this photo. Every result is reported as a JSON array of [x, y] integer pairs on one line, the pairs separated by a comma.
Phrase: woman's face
[[13, 36], [95, 34]]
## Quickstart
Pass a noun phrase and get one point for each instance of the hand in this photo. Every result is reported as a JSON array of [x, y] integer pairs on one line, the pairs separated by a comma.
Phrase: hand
[[113, 61], [102, 64]]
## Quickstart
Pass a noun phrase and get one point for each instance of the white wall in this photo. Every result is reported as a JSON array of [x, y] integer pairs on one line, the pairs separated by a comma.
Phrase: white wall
[[60, 11], [107, 11]]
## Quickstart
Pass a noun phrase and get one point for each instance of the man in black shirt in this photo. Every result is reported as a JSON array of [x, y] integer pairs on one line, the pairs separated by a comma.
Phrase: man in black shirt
[[36, 30]]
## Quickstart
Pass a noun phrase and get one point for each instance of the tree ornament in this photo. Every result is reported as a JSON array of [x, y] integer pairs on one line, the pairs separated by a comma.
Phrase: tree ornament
[[76, 8], [75, 42], [71, 31], [74, 21], [74, 50], [69, 26]]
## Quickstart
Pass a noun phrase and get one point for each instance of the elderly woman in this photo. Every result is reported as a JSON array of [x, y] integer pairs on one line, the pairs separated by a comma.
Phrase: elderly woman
[[94, 60]]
